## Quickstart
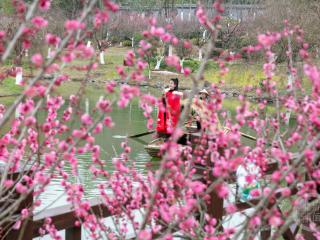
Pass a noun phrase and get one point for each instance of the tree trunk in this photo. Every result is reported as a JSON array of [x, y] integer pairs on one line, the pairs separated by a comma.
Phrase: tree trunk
[[200, 54], [181, 64], [159, 60], [87, 106], [290, 79], [288, 113], [170, 51], [204, 34], [132, 42], [49, 53], [17, 111], [101, 55], [19, 76]]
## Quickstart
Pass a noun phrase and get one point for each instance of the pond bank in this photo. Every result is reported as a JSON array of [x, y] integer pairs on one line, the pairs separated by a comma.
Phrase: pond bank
[[229, 92]]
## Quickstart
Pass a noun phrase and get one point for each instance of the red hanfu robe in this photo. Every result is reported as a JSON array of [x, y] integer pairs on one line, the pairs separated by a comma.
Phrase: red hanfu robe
[[169, 113]]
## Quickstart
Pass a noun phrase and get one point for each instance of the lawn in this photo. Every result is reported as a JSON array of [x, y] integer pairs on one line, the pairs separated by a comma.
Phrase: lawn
[[8, 87], [240, 74], [113, 57]]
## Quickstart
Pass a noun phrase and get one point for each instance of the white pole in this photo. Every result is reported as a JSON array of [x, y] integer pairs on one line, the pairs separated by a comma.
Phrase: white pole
[[19, 77], [102, 58], [181, 15], [89, 44]]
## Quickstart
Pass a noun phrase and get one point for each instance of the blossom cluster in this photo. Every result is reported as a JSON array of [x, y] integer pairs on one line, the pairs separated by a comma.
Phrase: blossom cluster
[[173, 200]]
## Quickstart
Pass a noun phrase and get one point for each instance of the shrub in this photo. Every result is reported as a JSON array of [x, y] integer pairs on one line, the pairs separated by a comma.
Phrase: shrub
[[212, 65], [216, 52], [195, 41], [115, 39], [192, 64], [164, 66], [137, 38], [127, 43]]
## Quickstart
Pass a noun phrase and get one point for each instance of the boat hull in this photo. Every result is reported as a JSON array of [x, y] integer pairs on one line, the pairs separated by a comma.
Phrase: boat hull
[[154, 147]]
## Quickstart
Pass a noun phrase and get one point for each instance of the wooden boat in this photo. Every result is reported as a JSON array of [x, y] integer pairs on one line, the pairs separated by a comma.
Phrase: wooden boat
[[191, 128], [153, 148]]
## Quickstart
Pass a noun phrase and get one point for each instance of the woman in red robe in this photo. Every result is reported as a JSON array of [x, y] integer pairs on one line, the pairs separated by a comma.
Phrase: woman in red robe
[[169, 109]]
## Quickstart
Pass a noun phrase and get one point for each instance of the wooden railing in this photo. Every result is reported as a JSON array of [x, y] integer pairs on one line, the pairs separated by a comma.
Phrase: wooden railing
[[63, 217]]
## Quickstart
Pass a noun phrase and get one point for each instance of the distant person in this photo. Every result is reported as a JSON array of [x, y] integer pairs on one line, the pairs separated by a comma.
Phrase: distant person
[[199, 109], [169, 109], [204, 95]]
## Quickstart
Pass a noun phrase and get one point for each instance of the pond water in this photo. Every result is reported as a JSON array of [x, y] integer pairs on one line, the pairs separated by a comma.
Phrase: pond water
[[128, 121]]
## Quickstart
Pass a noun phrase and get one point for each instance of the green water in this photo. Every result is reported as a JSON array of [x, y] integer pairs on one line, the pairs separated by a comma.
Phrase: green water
[[128, 121]]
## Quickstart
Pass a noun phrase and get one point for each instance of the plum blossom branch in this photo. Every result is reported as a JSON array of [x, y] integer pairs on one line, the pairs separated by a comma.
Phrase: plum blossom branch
[[18, 34]]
